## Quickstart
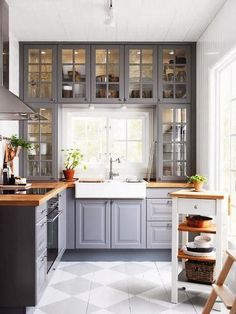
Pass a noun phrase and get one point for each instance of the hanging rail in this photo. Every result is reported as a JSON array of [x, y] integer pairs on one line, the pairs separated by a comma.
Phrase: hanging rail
[[4, 138]]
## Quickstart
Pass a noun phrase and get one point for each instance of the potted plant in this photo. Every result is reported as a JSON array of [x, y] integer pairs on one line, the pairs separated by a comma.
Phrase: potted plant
[[73, 158], [197, 181]]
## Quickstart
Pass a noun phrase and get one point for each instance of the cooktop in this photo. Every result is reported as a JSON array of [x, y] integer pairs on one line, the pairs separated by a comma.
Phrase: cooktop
[[30, 191]]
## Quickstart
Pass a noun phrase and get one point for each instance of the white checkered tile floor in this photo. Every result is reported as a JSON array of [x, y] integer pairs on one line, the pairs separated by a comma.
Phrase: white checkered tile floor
[[115, 288]]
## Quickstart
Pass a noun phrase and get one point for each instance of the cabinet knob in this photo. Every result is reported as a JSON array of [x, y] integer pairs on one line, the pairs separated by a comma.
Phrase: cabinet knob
[[85, 99], [195, 206]]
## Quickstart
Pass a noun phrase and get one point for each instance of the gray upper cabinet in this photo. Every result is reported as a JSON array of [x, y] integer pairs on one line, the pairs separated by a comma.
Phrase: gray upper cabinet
[[92, 224], [40, 162], [174, 74], [174, 147], [128, 224], [107, 74], [40, 73], [74, 73], [140, 74]]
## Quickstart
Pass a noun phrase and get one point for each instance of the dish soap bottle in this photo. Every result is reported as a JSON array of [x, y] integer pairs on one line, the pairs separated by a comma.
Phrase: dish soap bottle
[[5, 173]]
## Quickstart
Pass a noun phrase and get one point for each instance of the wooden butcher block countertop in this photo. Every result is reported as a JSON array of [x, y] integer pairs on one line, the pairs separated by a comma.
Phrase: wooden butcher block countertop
[[33, 200]]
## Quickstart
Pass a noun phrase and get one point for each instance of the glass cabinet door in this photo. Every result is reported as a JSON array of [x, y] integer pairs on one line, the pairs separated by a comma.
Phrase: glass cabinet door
[[74, 74], [107, 74], [174, 74], [173, 142], [39, 73], [40, 159], [140, 74]]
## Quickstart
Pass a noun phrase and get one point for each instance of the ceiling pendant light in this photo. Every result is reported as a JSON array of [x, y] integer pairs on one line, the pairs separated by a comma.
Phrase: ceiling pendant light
[[109, 13]]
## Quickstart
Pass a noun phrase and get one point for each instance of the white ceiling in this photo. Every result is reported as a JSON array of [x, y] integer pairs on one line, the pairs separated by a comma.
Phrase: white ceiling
[[136, 20]]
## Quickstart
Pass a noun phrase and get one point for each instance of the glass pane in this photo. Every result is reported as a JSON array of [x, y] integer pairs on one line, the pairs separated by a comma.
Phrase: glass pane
[[33, 68], [80, 56], [79, 90], [33, 90], [101, 73], [101, 91], [134, 55], [101, 56], [67, 73], [180, 74], [33, 153], [46, 76], [168, 115], [147, 91], [46, 138], [113, 56], [147, 56], [47, 113], [167, 132], [134, 73], [33, 169], [168, 56], [113, 73], [180, 56], [134, 91], [46, 151], [67, 91], [168, 151], [113, 91], [118, 128], [33, 56], [33, 77], [33, 128], [168, 73], [168, 169], [134, 129], [46, 56], [46, 168], [46, 128], [181, 115], [80, 73], [45, 90], [67, 55], [147, 73], [119, 150], [180, 133], [181, 169], [134, 152], [46, 68], [180, 91], [180, 151], [233, 155], [168, 91]]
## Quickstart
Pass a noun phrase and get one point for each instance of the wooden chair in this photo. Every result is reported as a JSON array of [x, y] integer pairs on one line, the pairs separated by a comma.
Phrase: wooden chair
[[222, 291]]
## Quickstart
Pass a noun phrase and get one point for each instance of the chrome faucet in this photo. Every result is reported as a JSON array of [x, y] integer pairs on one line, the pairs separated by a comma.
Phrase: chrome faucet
[[111, 173]]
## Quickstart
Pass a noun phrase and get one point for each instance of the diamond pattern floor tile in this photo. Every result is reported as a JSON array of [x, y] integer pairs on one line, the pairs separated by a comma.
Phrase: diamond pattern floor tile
[[52, 295], [131, 268], [60, 276], [81, 269], [133, 286], [75, 286], [105, 276]]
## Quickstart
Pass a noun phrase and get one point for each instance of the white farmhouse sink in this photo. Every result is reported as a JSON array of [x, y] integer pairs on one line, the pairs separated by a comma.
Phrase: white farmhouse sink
[[110, 189]]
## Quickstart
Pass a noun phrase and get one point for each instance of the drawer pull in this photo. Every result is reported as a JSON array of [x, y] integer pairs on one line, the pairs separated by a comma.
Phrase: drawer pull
[[195, 206], [169, 203], [43, 224], [43, 210], [169, 226]]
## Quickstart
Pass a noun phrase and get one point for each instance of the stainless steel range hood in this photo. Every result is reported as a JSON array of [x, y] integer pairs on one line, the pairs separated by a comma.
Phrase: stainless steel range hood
[[13, 108]]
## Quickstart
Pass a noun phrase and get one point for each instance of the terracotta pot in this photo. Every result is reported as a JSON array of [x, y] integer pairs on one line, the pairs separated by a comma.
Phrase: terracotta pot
[[198, 186], [69, 174]]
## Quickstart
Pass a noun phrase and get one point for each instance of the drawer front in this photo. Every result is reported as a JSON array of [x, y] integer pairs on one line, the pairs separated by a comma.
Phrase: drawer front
[[159, 235], [160, 192], [197, 206], [41, 274], [159, 209], [41, 237], [41, 211]]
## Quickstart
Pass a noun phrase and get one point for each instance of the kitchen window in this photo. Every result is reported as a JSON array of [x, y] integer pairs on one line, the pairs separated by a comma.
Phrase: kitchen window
[[101, 135]]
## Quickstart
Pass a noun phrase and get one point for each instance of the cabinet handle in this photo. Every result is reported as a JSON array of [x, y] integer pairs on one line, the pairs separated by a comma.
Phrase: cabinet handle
[[195, 206], [43, 210], [169, 203], [169, 226], [44, 223], [85, 99]]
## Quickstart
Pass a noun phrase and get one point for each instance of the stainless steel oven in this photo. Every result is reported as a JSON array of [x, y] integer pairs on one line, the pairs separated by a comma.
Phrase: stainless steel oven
[[53, 214]]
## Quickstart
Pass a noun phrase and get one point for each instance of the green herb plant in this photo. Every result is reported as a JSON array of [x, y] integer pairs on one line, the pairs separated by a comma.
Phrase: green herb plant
[[19, 141], [73, 158], [197, 178]]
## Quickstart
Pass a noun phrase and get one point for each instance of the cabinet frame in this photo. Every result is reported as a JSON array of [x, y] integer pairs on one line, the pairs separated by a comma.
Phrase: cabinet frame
[[86, 99]]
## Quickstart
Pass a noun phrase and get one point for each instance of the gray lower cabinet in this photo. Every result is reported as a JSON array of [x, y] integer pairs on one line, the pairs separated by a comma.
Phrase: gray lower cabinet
[[62, 222], [92, 224], [70, 218], [159, 235], [128, 224]]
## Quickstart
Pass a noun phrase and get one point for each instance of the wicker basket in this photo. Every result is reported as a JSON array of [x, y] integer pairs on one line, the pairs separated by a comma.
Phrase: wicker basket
[[203, 272]]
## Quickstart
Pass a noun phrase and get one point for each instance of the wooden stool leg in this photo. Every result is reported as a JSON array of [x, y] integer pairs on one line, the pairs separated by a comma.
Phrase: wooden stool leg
[[233, 309], [210, 302]]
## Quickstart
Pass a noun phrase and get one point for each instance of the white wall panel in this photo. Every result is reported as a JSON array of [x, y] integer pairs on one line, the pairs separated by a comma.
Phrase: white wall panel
[[217, 40]]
